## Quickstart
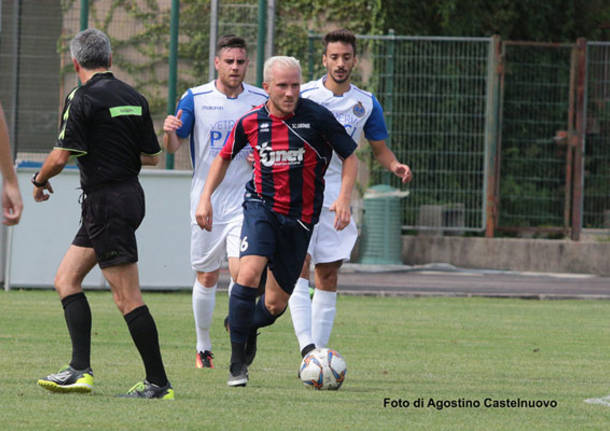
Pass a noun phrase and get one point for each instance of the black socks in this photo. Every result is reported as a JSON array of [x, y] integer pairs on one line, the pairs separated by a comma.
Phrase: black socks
[[78, 319], [144, 333]]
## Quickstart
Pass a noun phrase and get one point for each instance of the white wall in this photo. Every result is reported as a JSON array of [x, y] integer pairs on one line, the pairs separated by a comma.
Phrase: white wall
[[37, 245]]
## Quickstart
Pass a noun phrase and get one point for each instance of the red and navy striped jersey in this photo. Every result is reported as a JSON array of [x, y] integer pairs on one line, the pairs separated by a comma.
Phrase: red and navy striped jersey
[[291, 155]]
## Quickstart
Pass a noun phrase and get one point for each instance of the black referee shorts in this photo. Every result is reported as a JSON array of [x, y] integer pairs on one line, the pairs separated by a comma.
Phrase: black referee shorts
[[110, 216]]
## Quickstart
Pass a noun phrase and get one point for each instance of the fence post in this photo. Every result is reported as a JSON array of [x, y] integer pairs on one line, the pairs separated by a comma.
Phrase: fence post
[[578, 172], [310, 37], [214, 5], [260, 44], [389, 90], [173, 60], [84, 14], [492, 161]]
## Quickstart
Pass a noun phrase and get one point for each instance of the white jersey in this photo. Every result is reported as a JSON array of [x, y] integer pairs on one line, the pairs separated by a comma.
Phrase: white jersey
[[358, 111], [208, 117]]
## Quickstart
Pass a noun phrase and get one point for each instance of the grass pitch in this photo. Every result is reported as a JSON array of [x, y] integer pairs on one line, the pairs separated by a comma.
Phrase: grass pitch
[[449, 352]]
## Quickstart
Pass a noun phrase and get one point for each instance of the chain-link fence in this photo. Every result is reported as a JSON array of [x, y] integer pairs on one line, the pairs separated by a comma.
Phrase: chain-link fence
[[536, 103], [596, 201], [434, 92], [436, 95]]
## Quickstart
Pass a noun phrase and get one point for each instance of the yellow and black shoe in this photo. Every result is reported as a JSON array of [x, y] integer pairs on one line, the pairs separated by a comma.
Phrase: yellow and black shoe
[[68, 380], [145, 389]]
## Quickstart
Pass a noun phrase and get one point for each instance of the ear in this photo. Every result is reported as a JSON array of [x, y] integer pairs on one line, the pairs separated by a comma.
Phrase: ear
[[324, 60], [110, 61], [266, 87], [216, 62], [76, 65]]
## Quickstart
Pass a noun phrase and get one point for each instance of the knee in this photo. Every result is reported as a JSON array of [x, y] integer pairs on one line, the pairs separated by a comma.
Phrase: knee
[[127, 302], [275, 307], [66, 285], [207, 279], [248, 277], [327, 279]]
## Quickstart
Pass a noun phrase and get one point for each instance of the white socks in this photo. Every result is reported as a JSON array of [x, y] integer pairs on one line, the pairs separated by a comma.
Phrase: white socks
[[300, 310], [323, 310], [230, 288], [204, 299]]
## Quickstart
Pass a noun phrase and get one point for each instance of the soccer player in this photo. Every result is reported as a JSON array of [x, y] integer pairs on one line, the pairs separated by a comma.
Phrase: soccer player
[[207, 114], [293, 140], [360, 113], [12, 205], [107, 126]]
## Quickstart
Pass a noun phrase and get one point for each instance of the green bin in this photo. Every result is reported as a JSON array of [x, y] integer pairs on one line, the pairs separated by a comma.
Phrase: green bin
[[381, 226]]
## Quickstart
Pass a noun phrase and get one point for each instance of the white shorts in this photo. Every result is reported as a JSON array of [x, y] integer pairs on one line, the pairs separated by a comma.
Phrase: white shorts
[[328, 244], [208, 249]]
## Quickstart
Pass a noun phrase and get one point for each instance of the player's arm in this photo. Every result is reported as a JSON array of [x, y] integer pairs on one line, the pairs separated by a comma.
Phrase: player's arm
[[235, 142], [71, 141], [177, 127], [345, 148], [387, 159], [171, 141], [11, 197], [341, 206], [53, 165], [203, 213], [149, 159], [376, 133]]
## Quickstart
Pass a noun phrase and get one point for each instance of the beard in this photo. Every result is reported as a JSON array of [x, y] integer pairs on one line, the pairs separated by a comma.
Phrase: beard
[[346, 76]]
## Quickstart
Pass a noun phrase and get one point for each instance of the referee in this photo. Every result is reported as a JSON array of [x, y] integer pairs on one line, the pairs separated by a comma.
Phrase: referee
[[106, 125]]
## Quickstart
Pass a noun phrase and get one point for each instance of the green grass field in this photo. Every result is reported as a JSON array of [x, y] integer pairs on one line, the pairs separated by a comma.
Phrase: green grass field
[[401, 349]]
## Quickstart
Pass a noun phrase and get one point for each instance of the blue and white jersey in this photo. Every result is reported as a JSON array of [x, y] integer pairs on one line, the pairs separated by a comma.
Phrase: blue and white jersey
[[208, 117], [359, 112]]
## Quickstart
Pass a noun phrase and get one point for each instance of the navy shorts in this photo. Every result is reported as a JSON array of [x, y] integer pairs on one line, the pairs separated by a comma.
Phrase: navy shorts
[[110, 217], [283, 240]]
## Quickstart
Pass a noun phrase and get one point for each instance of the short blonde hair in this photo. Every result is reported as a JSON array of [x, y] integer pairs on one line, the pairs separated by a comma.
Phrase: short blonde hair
[[281, 60]]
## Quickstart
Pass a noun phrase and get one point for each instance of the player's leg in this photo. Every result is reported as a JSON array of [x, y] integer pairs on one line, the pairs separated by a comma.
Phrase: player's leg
[[233, 243], [207, 252], [324, 302], [204, 301], [124, 282], [242, 305], [333, 248], [258, 240], [114, 240], [285, 266], [300, 305], [77, 376]]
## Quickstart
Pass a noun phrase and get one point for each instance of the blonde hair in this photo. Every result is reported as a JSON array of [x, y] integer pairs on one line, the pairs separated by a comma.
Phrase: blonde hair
[[281, 60]]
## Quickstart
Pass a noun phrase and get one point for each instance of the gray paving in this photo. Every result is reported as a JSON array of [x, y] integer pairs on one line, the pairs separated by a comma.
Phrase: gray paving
[[446, 280]]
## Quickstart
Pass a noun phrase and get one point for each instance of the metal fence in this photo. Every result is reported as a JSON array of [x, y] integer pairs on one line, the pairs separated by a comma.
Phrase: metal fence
[[443, 103], [596, 202], [435, 93], [535, 105]]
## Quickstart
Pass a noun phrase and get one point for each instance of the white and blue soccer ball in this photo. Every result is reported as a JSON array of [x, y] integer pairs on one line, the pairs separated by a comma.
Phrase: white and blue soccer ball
[[323, 369]]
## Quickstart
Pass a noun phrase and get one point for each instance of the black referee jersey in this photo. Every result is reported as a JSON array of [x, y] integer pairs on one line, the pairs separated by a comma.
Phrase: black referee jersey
[[107, 124]]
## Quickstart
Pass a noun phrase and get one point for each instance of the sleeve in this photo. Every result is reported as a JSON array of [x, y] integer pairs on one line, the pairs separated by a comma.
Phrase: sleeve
[[187, 105], [150, 143], [236, 141], [72, 133], [336, 135], [375, 128]]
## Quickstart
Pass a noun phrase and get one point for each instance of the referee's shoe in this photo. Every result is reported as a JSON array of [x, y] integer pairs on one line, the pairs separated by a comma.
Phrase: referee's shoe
[[68, 380], [145, 389]]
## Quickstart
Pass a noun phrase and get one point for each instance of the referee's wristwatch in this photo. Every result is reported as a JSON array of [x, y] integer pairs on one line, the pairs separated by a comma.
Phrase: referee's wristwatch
[[36, 183]]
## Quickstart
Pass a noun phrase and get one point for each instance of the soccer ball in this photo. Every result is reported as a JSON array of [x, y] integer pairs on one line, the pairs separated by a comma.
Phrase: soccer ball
[[323, 369]]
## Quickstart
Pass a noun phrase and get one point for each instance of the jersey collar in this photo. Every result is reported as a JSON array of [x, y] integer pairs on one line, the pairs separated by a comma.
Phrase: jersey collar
[[330, 93]]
